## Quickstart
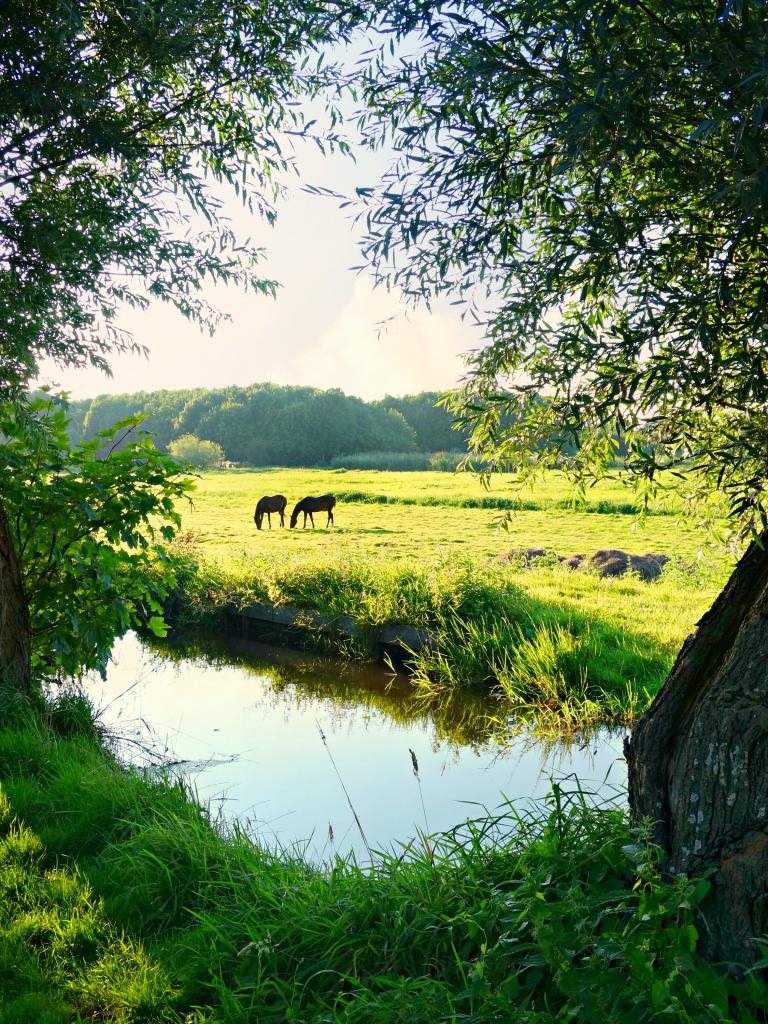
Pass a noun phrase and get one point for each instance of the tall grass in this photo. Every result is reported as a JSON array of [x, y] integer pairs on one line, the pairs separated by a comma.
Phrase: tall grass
[[493, 502], [121, 902], [531, 651], [408, 462]]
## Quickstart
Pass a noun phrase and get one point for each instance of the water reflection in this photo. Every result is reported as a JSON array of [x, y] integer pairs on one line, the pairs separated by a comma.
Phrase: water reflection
[[243, 722]]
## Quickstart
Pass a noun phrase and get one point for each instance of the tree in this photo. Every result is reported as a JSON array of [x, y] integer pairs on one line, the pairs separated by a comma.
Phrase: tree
[[115, 122], [592, 180], [84, 519], [191, 449], [433, 424]]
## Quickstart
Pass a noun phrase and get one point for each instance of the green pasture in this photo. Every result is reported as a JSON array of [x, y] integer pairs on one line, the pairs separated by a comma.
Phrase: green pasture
[[221, 518], [549, 490]]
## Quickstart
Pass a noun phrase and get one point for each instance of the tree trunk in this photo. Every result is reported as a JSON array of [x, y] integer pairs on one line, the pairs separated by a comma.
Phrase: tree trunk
[[15, 630], [698, 763]]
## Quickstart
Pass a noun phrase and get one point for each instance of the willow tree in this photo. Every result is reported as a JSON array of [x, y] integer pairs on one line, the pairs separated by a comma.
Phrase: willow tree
[[591, 179], [118, 122]]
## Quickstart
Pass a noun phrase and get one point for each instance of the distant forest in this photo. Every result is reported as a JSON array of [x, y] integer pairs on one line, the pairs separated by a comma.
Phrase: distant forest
[[270, 425]]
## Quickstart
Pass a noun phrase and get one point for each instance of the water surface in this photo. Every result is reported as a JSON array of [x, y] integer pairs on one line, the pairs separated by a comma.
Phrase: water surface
[[269, 736]]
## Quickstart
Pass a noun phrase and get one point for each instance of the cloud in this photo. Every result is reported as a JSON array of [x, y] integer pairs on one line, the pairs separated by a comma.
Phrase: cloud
[[376, 346]]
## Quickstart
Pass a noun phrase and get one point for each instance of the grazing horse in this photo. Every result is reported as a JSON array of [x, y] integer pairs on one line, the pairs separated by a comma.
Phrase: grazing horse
[[324, 503], [268, 504]]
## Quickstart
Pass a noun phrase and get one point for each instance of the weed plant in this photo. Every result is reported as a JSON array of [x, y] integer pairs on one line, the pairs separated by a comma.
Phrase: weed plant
[[122, 902]]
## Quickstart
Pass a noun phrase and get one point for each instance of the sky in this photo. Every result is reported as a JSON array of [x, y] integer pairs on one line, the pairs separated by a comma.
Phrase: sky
[[323, 329]]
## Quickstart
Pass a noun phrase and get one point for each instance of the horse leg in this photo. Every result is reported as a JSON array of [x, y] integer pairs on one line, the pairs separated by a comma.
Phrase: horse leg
[[312, 520], [330, 518], [305, 521], [282, 517], [269, 517]]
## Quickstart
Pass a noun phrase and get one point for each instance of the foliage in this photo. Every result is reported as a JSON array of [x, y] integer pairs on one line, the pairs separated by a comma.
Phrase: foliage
[[191, 449], [121, 124], [436, 430], [400, 462], [590, 181], [116, 121], [555, 913], [83, 524], [265, 424]]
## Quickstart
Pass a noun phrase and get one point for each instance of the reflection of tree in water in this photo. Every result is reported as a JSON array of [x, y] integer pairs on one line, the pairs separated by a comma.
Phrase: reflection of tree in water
[[458, 720]]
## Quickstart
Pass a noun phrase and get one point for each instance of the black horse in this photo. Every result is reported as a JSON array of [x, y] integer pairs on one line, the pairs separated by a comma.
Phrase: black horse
[[268, 504], [324, 503]]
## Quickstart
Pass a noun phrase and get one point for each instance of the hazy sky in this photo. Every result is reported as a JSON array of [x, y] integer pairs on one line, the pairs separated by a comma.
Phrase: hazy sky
[[321, 330]]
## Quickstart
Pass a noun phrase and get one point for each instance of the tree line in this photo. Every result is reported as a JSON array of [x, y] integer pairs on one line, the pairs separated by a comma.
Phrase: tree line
[[269, 425]]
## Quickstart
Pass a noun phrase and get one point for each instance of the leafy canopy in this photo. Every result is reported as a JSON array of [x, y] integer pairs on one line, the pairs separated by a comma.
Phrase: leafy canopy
[[116, 122], [591, 180]]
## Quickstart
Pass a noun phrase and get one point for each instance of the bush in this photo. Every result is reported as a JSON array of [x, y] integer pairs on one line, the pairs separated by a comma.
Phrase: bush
[[447, 462], [191, 449]]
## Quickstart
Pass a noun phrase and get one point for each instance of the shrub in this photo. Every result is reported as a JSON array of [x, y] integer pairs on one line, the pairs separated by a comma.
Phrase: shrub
[[191, 449]]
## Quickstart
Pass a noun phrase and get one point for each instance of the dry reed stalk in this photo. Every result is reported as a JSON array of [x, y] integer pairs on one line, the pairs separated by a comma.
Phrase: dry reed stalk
[[346, 794]]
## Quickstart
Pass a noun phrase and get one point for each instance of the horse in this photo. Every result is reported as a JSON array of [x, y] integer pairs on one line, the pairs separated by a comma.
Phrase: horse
[[324, 503], [267, 505]]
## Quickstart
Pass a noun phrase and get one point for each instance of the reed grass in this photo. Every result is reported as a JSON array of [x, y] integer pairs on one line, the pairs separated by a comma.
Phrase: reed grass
[[122, 902]]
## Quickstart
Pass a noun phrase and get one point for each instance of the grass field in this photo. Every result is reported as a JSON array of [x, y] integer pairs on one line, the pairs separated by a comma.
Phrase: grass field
[[550, 490], [222, 518], [578, 647]]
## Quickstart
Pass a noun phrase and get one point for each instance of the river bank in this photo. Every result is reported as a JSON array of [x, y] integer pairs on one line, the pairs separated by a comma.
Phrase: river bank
[[123, 902], [577, 649]]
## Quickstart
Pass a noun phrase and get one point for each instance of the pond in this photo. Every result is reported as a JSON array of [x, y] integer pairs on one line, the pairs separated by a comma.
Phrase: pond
[[287, 742]]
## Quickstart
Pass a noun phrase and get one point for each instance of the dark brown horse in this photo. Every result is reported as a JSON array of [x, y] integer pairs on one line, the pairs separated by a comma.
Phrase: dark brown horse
[[324, 503], [268, 504]]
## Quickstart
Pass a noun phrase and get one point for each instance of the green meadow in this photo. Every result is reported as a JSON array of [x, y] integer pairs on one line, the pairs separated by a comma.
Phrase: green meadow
[[577, 647], [431, 515]]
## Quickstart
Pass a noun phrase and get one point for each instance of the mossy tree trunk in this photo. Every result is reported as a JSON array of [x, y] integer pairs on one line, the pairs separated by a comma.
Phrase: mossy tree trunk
[[15, 630], [698, 763]]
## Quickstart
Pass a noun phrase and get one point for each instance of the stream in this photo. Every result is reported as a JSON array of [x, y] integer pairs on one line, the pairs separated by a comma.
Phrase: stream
[[285, 742]]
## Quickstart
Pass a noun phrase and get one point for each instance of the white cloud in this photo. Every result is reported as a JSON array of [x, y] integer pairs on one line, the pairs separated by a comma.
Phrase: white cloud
[[377, 346]]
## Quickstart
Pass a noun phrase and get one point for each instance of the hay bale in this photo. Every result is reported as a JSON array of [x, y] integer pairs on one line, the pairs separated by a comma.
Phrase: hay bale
[[574, 561], [648, 566], [609, 562]]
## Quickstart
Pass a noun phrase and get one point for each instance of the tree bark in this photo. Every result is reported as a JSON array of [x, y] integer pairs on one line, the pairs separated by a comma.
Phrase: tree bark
[[15, 628], [698, 763]]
